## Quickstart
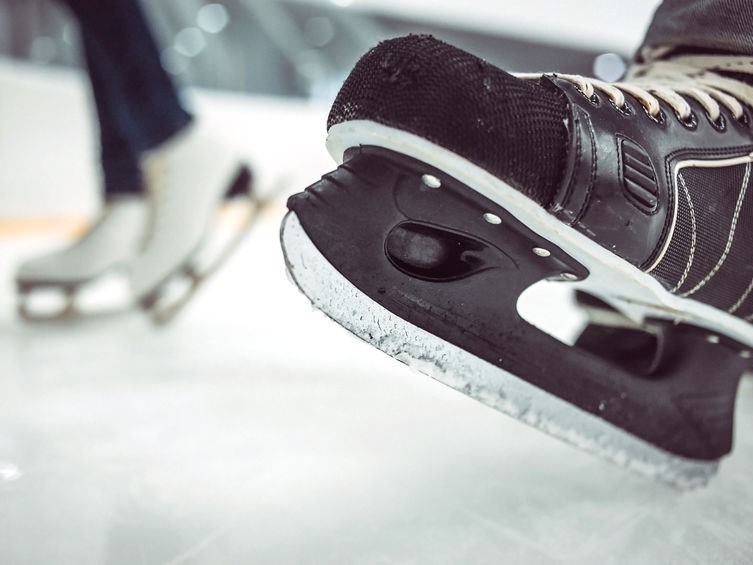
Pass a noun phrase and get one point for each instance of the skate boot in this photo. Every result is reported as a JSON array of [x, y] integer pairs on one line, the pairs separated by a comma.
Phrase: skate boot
[[461, 186], [192, 229], [110, 244]]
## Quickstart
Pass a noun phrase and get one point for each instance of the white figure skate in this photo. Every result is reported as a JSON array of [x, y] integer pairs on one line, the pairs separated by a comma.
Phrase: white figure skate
[[110, 244], [190, 177]]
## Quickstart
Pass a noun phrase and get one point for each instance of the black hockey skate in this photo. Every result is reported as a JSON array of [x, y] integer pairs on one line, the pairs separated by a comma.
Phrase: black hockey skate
[[461, 186]]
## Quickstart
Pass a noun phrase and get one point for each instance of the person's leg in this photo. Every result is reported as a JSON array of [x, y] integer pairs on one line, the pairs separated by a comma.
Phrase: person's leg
[[186, 170], [137, 109], [723, 25], [120, 33], [119, 151], [115, 237]]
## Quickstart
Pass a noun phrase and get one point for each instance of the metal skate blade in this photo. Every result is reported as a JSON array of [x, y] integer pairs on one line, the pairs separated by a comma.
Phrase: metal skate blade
[[46, 303], [171, 297], [338, 298], [230, 226], [66, 302]]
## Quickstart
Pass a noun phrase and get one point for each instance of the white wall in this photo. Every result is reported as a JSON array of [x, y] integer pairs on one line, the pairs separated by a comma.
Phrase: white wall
[[48, 154], [614, 25]]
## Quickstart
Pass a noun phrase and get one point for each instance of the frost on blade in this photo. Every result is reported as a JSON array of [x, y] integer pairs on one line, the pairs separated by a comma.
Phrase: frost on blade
[[491, 385]]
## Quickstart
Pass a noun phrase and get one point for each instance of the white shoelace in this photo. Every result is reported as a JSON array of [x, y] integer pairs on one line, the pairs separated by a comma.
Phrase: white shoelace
[[672, 80]]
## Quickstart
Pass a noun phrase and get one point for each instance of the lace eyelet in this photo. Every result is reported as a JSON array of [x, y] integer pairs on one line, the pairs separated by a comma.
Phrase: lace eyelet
[[660, 118], [594, 99], [744, 119], [720, 124], [586, 96], [691, 122], [626, 109]]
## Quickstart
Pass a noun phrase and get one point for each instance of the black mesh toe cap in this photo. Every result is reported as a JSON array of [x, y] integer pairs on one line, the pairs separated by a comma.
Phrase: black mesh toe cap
[[515, 129]]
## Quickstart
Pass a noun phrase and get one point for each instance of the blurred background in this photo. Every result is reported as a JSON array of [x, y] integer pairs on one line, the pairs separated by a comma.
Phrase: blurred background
[[252, 429], [294, 52], [305, 48]]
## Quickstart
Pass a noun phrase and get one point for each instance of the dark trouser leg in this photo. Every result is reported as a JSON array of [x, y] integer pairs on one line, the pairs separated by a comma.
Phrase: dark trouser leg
[[137, 103], [118, 138], [723, 25]]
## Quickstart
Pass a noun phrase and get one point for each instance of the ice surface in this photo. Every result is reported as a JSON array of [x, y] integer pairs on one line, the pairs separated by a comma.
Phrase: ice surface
[[254, 430]]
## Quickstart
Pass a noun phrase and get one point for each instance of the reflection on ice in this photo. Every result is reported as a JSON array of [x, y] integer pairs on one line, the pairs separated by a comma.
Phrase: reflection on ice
[[9, 472]]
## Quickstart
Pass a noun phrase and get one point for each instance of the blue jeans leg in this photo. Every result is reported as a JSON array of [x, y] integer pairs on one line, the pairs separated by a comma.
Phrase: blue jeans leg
[[137, 104], [119, 145]]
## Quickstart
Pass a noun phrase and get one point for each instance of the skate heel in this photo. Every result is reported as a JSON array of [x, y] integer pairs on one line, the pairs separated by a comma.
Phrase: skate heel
[[235, 215], [435, 270], [57, 303], [242, 185]]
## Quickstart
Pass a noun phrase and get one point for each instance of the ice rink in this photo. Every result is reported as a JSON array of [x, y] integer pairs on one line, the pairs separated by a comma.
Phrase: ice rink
[[254, 430]]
